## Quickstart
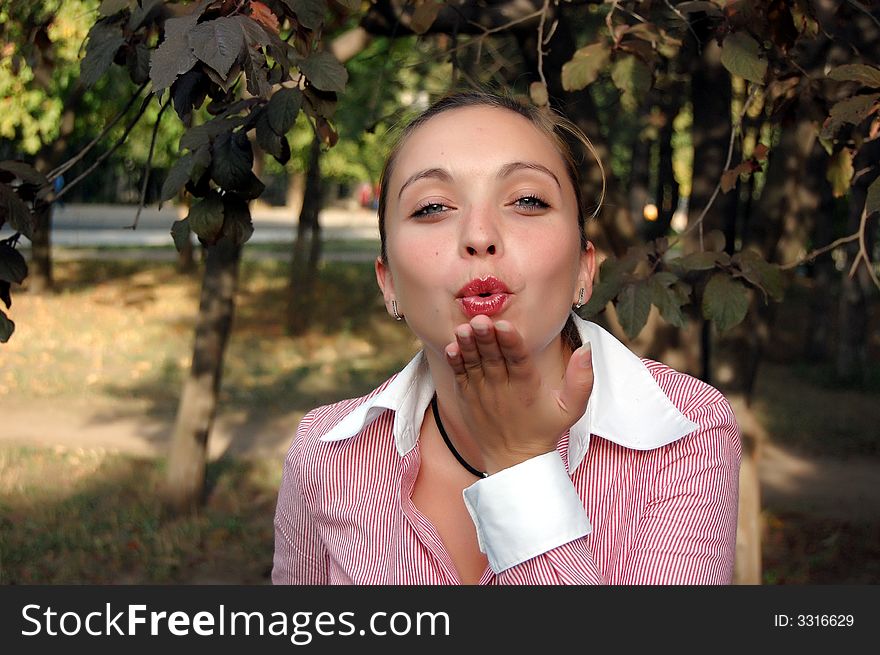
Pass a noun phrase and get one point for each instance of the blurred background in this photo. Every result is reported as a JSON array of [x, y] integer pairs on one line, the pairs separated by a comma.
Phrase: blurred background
[[147, 401]]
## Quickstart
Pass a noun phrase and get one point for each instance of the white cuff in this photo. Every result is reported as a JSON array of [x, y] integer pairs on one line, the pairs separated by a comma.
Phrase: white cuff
[[526, 510]]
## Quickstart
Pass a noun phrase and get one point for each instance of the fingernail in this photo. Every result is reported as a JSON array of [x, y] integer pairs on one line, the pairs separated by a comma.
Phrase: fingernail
[[502, 326], [481, 329], [586, 356]]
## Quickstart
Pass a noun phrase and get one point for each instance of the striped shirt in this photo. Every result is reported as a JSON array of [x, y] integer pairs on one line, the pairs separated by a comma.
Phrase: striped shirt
[[653, 465]]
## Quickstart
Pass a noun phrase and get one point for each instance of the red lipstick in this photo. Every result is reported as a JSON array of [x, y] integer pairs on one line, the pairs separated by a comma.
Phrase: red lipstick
[[486, 295]]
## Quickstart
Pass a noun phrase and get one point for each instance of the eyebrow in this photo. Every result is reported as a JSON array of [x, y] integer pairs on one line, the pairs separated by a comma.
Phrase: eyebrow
[[505, 171]]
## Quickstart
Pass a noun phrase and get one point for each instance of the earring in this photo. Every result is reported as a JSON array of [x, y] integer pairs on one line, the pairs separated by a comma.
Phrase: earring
[[397, 315], [580, 302]]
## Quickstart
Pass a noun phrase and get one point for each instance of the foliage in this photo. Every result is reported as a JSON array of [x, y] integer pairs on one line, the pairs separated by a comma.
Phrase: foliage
[[256, 65], [760, 43], [234, 69]]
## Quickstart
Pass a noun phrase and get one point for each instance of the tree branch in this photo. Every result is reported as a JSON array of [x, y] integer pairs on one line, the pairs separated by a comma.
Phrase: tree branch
[[733, 134], [149, 165], [100, 159], [63, 168]]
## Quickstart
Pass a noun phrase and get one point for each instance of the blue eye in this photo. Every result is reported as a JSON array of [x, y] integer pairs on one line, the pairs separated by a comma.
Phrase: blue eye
[[531, 202], [429, 209]]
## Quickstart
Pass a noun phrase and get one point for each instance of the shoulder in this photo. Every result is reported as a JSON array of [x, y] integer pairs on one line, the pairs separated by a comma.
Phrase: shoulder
[[691, 396], [704, 405], [306, 447]]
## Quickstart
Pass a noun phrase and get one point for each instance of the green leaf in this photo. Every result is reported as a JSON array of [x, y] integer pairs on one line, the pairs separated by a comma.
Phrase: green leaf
[[633, 306], [13, 267], [180, 233], [172, 58], [255, 34], [24, 172], [633, 78], [238, 226], [282, 110], [7, 327], [232, 159], [853, 110], [667, 297], [140, 13], [725, 301], [218, 43], [762, 274], [105, 39], [309, 13], [275, 145], [324, 71], [14, 211], [138, 61], [189, 92], [110, 7], [177, 177], [612, 274], [872, 201], [840, 172], [697, 261], [741, 55], [867, 75], [200, 135], [256, 74], [585, 66], [206, 217]]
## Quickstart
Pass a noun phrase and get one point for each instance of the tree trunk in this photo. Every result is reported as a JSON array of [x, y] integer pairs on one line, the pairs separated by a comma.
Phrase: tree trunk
[[40, 278], [852, 343], [185, 480], [306, 248], [40, 275], [711, 97]]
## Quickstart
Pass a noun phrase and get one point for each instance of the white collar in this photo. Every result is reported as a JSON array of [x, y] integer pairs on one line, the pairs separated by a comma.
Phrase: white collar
[[626, 406]]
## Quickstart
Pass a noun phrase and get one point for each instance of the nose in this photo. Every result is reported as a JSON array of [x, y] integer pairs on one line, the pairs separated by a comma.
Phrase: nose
[[480, 233]]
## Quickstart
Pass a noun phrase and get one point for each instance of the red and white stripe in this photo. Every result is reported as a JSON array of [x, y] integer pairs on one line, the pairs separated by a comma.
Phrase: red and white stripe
[[661, 516]]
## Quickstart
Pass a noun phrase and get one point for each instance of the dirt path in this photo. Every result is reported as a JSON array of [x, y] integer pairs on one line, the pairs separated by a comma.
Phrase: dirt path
[[843, 489]]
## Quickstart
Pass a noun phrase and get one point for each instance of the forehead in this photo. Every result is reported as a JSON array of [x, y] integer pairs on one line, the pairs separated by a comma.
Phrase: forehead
[[479, 138]]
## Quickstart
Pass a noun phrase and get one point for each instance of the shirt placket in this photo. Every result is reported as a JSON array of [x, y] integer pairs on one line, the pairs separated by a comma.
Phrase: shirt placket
[[422, 527]]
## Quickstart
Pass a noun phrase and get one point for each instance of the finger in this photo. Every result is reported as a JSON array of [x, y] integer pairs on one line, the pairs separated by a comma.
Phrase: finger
[[519, 363], [494, 366], [464, 337], [578, 383], [453, 358]]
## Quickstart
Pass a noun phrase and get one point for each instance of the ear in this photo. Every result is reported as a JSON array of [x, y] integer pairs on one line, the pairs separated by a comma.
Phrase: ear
[[586, 272], [386, 282]]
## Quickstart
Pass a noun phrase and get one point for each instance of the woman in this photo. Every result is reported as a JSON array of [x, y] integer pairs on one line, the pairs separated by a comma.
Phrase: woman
[[522, 445]]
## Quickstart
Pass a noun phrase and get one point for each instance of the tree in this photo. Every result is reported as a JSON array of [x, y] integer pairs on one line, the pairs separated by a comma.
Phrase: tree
[[775, 88]]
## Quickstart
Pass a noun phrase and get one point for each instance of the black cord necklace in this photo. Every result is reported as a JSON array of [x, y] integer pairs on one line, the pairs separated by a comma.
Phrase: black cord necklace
[[471, 469]]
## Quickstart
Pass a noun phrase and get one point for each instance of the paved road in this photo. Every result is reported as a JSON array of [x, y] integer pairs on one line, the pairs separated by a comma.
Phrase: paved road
[[110, 225]]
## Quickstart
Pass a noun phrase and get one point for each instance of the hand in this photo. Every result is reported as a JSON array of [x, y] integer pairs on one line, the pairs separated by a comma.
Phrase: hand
[[510, 410]]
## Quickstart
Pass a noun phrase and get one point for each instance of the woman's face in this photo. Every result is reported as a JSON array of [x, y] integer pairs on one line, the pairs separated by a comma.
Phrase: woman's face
[[478, 192]]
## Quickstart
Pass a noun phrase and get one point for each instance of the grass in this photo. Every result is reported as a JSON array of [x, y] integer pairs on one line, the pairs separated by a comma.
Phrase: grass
[[119, 334], [83, 516]]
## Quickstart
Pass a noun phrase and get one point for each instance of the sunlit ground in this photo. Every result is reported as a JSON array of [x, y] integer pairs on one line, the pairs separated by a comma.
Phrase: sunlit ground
[[115, 342]]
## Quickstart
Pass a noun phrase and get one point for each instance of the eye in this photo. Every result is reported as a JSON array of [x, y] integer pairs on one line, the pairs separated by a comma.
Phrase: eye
[[531, 203], [430, 209]]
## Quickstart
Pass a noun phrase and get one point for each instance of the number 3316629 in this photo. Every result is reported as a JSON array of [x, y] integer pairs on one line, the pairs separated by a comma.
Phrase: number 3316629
[[814, 620]]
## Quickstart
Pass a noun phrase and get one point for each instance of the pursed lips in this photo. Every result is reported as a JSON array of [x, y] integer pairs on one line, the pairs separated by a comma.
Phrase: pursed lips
[[484, 295]]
